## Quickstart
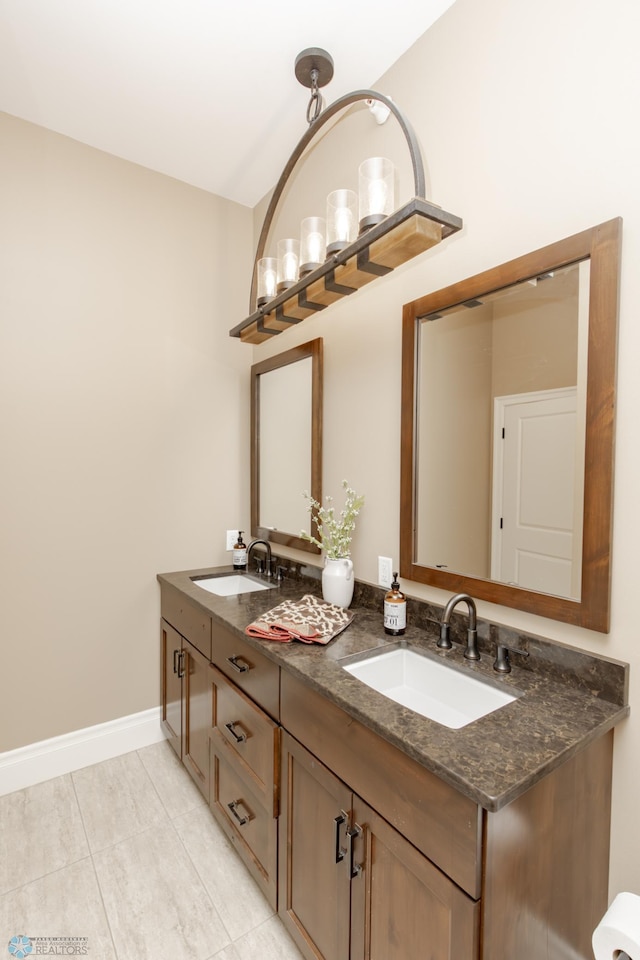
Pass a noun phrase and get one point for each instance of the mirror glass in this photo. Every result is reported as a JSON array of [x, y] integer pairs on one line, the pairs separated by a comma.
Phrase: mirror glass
[[286, 449], [508, 382], [509, 504]]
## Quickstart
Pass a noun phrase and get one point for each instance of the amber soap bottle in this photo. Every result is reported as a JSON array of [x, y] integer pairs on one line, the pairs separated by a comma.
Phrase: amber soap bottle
[[239, 553], [395, 610]]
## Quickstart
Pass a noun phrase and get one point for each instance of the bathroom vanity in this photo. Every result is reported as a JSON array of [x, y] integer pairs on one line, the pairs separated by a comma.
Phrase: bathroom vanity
[[375, 832]]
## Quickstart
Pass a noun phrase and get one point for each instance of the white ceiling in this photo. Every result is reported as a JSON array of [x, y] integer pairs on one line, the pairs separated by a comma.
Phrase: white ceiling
[[201, 90]]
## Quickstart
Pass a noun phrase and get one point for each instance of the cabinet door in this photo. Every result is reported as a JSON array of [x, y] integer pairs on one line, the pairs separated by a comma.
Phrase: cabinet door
[[314, 877], [171, 649], [402, 906], [197, 716]]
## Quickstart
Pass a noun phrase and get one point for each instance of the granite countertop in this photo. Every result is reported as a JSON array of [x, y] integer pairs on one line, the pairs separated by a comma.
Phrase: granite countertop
[[566, 698]]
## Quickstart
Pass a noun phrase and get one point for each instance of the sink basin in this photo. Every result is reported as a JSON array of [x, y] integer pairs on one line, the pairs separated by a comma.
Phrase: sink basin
[[430, 688], [230, 584]]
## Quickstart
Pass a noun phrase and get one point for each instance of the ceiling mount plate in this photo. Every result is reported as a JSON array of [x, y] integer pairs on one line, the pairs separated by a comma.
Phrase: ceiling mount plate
[[314, 58]]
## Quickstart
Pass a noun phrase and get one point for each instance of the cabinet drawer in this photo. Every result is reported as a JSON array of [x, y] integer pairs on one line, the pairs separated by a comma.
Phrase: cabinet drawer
[[248, 824], [248, 737], [434, 817], [188, 620], [254, 673]]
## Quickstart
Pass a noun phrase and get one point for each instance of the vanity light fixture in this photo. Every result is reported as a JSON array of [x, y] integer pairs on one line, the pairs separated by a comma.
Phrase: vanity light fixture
[[364, 236]]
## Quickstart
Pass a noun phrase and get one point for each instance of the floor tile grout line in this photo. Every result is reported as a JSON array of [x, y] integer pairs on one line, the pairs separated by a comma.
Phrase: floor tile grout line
[[136, 832], [104, 908], [68, 863], [200, 878], [95, 872], [49, 873], [151, 781]]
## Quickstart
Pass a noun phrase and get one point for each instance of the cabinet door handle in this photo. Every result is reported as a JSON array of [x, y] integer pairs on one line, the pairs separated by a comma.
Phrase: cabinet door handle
[[181, 664], [352, 833], [239, 664], [238, 737], [176, 654], [341, 851], [233, 806]]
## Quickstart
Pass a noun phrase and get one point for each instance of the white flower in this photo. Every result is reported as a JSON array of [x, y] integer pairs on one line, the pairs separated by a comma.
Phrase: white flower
[[334, 533]]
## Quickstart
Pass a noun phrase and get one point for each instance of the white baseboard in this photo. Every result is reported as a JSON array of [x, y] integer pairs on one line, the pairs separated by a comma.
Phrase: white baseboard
[[72, 751]]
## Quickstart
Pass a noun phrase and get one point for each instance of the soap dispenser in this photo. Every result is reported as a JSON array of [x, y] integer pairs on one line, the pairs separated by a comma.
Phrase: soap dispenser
[[395, 609], [239, 553]]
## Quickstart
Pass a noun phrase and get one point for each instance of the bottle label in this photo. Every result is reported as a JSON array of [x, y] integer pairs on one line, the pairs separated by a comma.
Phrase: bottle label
[[239, 556], [395, 615]]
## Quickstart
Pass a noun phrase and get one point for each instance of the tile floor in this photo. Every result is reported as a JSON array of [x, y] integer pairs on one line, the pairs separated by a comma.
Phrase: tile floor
[[126, 854]]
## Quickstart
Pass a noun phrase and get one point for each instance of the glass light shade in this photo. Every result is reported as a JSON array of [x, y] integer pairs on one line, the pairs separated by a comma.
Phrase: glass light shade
[[342, 206], [288, 263], [267, 279], [375, 191], [312, 244]]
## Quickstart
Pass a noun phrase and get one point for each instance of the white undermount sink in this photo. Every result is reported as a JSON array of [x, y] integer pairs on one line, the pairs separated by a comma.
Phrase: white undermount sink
[[430, 688], [230, 584]]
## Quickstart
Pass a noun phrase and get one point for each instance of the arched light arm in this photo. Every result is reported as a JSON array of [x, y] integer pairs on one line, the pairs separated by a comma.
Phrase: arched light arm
[[340, 104]]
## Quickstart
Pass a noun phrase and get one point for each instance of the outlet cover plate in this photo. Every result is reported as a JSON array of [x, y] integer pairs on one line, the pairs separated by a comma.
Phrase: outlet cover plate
[[385, 572], [232, 536]]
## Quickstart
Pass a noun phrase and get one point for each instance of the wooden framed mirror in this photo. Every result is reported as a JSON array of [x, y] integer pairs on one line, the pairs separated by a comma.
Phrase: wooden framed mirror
[[286, 444], [508, 395]]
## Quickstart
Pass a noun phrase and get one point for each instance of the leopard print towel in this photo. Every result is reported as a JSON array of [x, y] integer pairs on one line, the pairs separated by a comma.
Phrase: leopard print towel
[[310, 620]]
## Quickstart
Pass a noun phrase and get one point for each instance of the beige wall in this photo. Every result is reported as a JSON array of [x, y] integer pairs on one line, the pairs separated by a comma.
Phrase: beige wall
[[524, 121], [117, 289]]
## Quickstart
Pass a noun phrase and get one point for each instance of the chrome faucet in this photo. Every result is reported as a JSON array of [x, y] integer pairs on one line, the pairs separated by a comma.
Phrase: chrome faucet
[[444, 643], [267, 546]]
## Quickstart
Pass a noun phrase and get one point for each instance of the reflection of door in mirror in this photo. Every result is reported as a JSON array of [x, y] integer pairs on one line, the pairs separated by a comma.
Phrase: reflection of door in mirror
[[286, 443], [508, 399], [505, 501]]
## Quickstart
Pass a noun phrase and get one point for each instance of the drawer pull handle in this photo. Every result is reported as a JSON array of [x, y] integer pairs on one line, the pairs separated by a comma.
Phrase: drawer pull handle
[[239, 664], [341, 852], [233, 806], [352, 833], [238, 737]]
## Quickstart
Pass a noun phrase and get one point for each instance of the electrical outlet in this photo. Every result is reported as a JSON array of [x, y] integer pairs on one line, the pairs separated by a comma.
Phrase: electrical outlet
[[384, 571], [232, 536]]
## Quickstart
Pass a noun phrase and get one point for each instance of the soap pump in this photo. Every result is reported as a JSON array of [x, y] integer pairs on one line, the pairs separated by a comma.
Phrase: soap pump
[[239, 553], [395, 609]]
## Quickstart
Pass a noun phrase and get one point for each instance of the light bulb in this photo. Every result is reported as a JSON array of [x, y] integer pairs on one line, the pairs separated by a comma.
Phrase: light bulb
[[288, 262], [342, 206], [267, 279], [375, 177]]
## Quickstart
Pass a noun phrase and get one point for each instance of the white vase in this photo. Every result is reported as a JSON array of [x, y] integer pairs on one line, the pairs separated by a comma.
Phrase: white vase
[[337, 581]]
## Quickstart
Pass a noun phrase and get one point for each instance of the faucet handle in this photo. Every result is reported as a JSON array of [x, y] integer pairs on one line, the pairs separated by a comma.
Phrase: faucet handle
[[502, 664], [259, 564]]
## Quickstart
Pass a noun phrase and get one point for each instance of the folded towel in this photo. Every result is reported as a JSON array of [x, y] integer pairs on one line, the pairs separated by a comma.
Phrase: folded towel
[[309, 620]]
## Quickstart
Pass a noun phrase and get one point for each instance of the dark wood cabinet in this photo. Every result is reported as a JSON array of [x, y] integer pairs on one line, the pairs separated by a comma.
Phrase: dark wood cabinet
[[186, 703], [365, 853], [245, 755], [431, 873], [171, 648], [352, 886], [196, 698], [401, 905], [314, 874]]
